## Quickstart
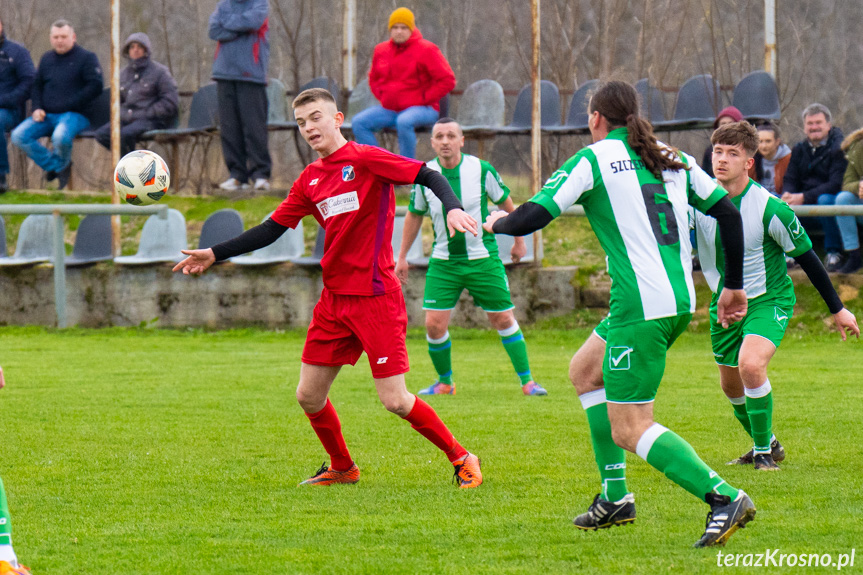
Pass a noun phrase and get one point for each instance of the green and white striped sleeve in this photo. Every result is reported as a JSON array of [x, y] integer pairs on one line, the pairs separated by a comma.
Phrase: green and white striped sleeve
[[568, 184], [494, 187], [703, 192], [418, 204]]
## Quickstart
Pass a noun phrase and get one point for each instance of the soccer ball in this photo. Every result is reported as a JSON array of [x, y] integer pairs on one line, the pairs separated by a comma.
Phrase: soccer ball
[[142, 177]]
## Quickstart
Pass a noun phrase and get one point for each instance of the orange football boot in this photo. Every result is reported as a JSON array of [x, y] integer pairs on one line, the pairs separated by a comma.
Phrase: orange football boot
[[7, 569], [326, 475], [467, 472]]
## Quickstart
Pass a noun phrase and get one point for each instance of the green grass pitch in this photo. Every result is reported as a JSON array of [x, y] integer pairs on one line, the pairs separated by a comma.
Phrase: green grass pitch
[[148, 451]]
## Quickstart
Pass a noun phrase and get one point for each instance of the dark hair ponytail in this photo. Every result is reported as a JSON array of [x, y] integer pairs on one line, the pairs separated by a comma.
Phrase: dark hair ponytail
[[617, 102]]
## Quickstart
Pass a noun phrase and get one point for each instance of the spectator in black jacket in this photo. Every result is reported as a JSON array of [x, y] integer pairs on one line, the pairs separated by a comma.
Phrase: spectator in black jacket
[[67, 83], [148, 95], [16, 79], [814, 176]]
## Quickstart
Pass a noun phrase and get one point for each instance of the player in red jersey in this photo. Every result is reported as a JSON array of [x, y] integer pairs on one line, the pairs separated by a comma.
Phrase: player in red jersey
[[349, 191]]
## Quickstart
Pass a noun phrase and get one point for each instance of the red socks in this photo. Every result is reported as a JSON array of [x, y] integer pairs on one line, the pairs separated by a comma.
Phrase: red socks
[[424, 419], [329, 430]]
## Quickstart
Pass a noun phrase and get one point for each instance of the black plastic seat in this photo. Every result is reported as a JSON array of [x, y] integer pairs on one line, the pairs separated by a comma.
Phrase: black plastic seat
[[576, 117], [650, 101], [549, 97], [698, 102], [220, 226], [757, 97], [203, 117], [92, 241]]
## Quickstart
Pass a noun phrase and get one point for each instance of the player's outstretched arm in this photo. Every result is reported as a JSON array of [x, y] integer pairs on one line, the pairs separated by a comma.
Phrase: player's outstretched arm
[[527, 218], [814, 269], [846, 322], [197, 262], [488, 224], [458, 220]]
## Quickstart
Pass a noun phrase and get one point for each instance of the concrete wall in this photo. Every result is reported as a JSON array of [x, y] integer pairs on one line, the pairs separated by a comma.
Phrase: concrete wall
[[232, 296]]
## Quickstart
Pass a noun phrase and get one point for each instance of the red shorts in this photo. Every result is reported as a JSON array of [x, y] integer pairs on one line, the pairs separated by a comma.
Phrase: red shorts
[[343, 326]]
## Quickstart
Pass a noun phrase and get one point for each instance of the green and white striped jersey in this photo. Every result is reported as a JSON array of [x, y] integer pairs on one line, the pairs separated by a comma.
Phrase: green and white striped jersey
[[770, 230], [475, 182], [640, 221]]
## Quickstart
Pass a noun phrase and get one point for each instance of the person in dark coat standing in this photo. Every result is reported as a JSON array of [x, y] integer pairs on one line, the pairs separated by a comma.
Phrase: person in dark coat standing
[[148, 95], [67, 83], [16, 79], [240, 70]]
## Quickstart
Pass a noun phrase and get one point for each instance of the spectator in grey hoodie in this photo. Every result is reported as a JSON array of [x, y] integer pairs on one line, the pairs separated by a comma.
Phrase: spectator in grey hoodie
[[148, 95], [240, 70], [775, 156]]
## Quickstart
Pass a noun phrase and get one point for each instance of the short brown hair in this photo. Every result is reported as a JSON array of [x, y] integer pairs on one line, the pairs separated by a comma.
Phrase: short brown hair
[[737, 133], [312, 95]]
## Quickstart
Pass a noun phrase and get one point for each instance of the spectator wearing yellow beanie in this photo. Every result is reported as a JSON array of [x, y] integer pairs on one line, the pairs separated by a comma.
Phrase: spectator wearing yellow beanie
[[402, 16], [409, 75]]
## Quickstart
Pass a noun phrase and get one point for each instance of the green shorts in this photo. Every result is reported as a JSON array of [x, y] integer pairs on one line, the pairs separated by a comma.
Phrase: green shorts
[[485, 279], [765, 319], [635, 357]]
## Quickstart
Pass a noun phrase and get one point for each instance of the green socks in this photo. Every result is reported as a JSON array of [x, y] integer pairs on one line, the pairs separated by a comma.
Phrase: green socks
[[440, 351], [759, 405], [610, 459], [513, 342], [739, 405], [673, 456]]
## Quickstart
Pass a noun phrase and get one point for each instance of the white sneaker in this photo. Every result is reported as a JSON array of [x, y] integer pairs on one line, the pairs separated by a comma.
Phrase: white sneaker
[[233, 185], [262, 185]]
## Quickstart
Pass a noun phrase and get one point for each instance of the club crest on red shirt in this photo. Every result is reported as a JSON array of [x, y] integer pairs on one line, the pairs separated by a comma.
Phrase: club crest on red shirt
[[348, 173]]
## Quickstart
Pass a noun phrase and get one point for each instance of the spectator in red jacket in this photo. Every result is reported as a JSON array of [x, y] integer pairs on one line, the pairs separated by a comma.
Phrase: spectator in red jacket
[[409, 76]]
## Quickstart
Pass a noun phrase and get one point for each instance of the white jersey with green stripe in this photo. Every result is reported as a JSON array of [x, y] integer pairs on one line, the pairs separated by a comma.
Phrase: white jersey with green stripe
[[641, 223], [770, 231], [475, 182]]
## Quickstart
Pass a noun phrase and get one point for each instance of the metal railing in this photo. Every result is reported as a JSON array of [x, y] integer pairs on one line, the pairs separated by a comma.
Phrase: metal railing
[[59, 212]]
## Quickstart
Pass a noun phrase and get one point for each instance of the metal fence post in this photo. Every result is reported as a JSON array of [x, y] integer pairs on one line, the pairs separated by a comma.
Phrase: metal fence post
[[59, 269]]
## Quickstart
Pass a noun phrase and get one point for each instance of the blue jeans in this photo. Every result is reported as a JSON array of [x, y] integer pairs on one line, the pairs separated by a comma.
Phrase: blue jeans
[[832, 239], [848, 224], [61, 127], [375, 119], [9, 118]]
